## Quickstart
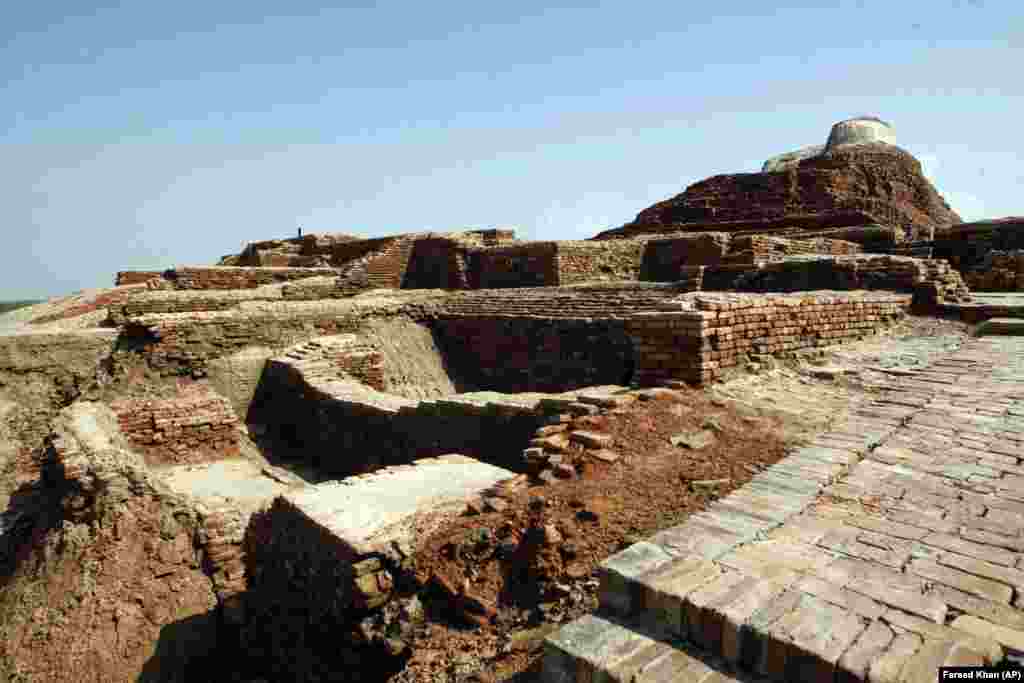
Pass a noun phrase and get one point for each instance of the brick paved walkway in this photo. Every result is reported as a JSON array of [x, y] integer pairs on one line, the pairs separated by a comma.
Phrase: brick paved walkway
[[886, 548]]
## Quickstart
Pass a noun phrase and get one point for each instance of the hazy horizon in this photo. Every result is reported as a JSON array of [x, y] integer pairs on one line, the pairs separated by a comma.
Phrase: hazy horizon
[[142, 137]]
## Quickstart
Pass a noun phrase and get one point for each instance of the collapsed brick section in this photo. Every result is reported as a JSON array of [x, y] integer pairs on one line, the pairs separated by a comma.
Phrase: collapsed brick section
[[194, 428], [722, 331]]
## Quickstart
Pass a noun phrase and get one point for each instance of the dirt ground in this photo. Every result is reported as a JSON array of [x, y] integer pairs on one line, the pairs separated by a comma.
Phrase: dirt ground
[[525, 570]]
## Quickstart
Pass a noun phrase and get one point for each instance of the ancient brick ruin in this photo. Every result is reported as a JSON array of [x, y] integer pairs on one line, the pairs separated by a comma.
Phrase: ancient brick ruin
[[285, 426]]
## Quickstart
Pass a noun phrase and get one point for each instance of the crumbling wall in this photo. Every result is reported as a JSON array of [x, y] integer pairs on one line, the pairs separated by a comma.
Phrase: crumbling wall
[[723, 331], [196, 427], [867, 271], [229, 277], [755, 248], [664, 258], [137, 277], [437, 263], [580, 261], [412, 364], [184, 343], [531, 264], [110, 582]]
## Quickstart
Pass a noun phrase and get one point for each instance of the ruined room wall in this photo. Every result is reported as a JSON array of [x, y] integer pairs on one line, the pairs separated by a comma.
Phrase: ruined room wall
[[342, 431], [437, 263], [532, 264], [525, 354], [609, 260], [663, 259], [196, 427], [725, 330]]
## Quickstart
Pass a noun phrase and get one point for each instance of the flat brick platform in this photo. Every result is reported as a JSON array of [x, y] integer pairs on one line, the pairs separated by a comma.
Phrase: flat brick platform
[[881, 551]]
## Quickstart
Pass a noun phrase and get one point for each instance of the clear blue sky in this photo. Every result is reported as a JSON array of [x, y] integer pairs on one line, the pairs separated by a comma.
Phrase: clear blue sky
[[145, 134]]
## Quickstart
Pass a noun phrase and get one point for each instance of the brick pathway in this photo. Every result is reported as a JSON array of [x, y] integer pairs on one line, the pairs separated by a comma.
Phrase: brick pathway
[[886, 548]]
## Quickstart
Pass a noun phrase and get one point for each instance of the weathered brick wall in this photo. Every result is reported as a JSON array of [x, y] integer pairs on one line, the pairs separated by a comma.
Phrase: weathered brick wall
[[865, 271], [136, 277], [183, 343], [1001, 271], [230, 277], [532, 264], [196, 427], [754, 248], [722, 331], [664, 258], [437, 263], [600, 300], [609, 260], [524, 354], [347, 428]]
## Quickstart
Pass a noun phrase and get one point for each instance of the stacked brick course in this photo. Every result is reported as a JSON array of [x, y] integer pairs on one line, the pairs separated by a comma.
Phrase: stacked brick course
[[229, 277], [725, 330], [137, 277], [196, 427]]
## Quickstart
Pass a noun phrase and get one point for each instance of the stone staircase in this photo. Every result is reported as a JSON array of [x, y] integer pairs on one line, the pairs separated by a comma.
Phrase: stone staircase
[[881, 551]]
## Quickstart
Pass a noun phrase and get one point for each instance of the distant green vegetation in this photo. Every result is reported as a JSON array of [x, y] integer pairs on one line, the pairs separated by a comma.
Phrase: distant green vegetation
[[8, 306]]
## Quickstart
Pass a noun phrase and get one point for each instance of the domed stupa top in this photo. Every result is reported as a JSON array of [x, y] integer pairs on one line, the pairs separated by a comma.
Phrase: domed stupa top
[[861, 130]]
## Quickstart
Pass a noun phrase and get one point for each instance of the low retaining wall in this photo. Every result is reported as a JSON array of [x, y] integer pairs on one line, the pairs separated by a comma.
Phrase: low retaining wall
[[725, 330]]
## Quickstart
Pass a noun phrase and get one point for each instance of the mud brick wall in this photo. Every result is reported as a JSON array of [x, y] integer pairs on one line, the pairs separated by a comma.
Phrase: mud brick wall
[[345, 428], [340, 356], [663, 259], [1002, 271], [866, 271], [191, 429], [437, 263], [301, 580], [532, 264], [578, 261], [183, 343], [753, 248], [611, 300], [136, 277], [524, 354], [230, 277], [727, 330], [185, 301]]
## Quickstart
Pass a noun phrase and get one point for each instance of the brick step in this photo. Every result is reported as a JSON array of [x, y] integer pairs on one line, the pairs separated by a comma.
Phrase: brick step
[[603, 648]]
